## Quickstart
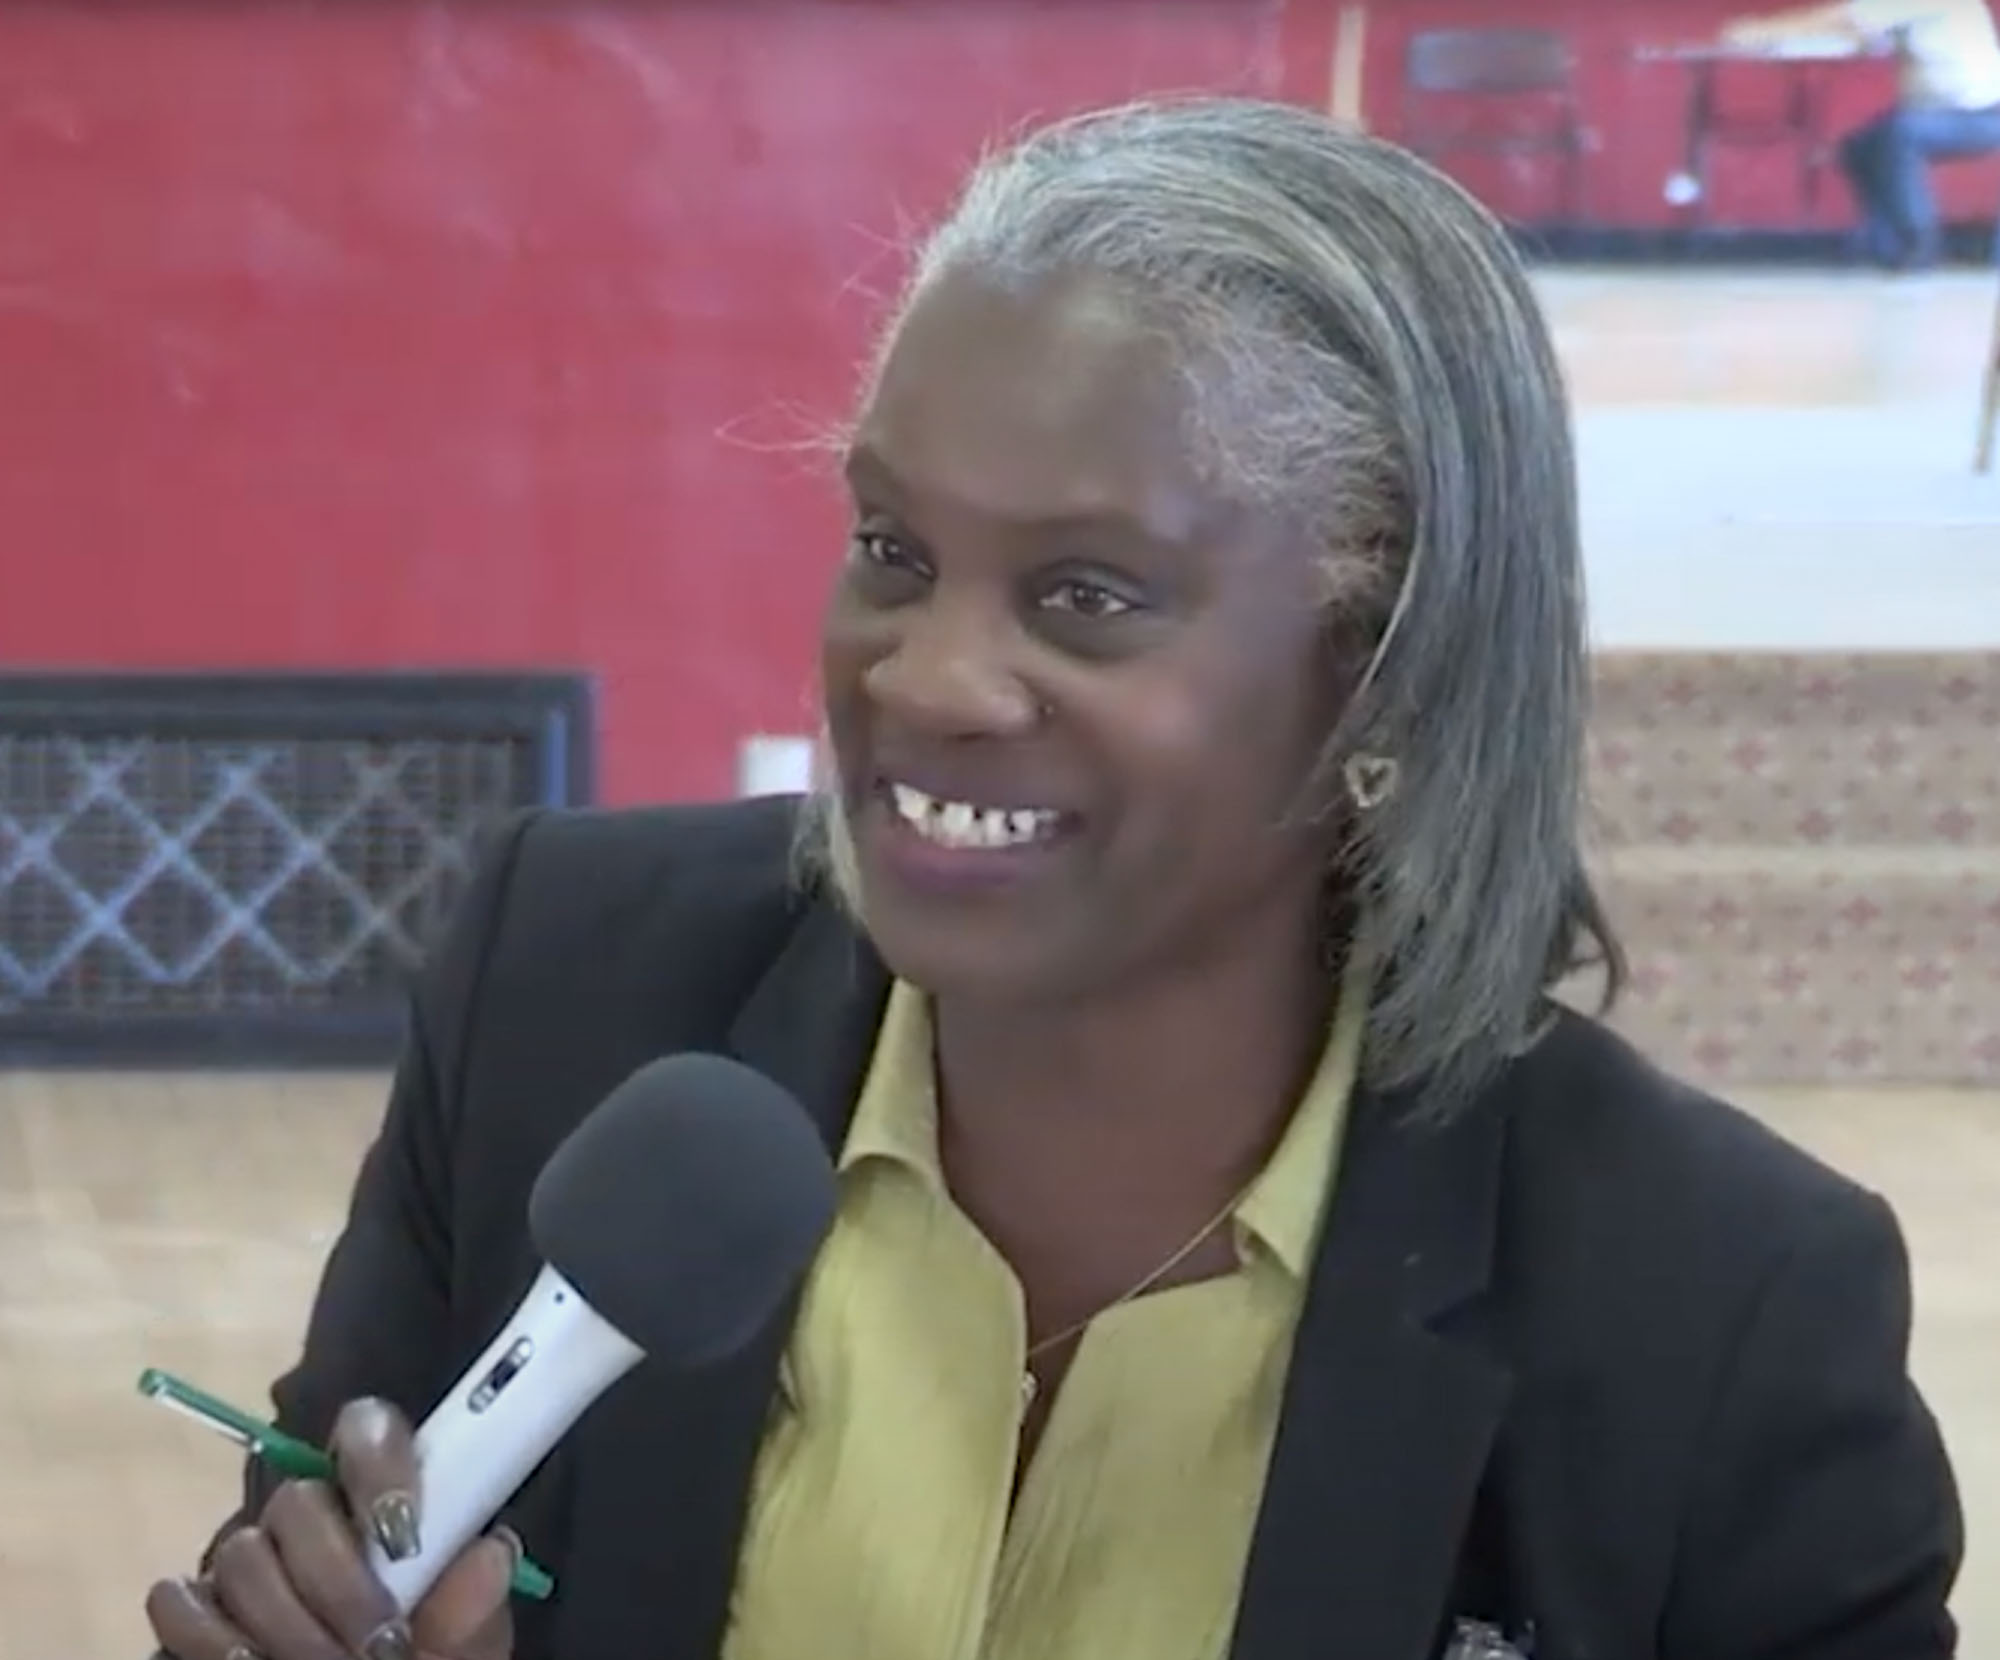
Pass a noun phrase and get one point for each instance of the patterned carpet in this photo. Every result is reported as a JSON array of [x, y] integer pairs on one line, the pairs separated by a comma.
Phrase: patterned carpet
[[1803, 853]]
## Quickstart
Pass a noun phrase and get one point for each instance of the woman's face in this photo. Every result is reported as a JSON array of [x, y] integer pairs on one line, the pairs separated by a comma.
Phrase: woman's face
[[1071, 687]]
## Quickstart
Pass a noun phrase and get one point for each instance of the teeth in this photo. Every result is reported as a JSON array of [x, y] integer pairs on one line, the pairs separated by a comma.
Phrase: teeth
[[960, 824]]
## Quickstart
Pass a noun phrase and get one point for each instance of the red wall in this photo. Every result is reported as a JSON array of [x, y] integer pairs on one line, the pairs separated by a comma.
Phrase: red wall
[[398, 335], [390, 335]]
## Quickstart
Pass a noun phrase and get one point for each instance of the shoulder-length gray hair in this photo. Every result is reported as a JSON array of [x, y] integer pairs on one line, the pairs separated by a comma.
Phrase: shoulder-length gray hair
[[1363, 354]]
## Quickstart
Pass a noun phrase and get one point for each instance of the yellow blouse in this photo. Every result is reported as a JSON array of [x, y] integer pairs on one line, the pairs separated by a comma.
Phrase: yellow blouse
[[880, 1519]]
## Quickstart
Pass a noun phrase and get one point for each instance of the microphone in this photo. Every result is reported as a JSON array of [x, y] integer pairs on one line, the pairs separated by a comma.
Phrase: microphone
[[671, 1223]]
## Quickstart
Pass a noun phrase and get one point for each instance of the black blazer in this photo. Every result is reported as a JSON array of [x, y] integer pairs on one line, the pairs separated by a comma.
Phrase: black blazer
[[1603, 1362]]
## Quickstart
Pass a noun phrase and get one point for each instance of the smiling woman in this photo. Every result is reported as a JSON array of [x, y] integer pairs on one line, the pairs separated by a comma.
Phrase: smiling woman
[[1049, 609], [1238, 1252], [1183, 409]]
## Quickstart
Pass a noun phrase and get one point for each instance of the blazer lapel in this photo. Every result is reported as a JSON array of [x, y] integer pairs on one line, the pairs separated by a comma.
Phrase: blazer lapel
[[810, 1024], [1387, 1422], [663, 1463]]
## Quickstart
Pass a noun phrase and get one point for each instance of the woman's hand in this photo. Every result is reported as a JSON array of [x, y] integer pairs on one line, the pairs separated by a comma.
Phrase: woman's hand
[[295, 1585]]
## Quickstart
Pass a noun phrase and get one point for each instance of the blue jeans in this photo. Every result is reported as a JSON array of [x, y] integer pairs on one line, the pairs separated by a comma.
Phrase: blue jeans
[[1888, 164]]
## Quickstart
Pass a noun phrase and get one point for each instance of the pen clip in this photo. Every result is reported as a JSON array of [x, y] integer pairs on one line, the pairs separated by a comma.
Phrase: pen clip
[[203, 1408], [229, 1432]]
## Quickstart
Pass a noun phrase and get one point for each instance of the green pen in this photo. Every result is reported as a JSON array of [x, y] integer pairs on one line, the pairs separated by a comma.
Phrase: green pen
[[287, 1456]]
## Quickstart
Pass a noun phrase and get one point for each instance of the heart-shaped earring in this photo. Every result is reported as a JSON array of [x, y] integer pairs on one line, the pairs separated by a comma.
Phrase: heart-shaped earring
[[1371, 779]]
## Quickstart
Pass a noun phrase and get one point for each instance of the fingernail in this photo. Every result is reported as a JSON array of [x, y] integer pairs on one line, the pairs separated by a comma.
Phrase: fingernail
[[512, 1540], [392, 1642], [240, 1652], [394, 1516]]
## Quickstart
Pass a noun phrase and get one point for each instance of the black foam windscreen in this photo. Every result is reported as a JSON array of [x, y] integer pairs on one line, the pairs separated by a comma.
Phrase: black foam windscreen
[[687, 1206]]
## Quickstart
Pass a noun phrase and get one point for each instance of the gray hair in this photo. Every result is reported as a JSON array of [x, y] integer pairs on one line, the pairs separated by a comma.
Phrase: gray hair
[[1364, 354]]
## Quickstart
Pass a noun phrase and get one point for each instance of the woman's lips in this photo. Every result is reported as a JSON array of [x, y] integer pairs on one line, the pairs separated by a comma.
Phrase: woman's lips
[[936, 843]]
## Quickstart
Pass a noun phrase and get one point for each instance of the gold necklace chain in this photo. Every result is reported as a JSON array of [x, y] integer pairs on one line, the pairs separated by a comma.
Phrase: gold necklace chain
[[1153, 1277]]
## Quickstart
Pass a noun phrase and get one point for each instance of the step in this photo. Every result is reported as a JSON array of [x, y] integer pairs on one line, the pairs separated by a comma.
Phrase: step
[[1778, 966], [1807, 750]]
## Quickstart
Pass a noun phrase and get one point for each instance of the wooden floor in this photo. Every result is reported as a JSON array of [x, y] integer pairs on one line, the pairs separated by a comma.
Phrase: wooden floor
[[1782, 459], [1784, 338], [180, 1221]]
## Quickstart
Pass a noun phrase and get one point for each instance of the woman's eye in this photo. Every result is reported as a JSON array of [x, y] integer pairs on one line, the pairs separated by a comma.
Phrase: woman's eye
[[878, 547], [1091, 600]]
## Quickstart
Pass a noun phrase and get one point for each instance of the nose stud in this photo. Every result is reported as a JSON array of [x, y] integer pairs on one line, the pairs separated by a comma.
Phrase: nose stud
[[1370, 779]]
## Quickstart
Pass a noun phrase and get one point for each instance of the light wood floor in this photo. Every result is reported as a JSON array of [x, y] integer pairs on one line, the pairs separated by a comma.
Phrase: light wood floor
[[1782, 458], [1784, 338], [180, 1221]]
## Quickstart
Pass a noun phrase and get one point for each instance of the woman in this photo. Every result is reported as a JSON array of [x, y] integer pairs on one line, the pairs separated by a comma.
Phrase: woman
[[1205, 686]]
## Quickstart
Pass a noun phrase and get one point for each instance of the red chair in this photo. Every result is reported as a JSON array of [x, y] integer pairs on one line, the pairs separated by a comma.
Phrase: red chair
[[1496, 92]]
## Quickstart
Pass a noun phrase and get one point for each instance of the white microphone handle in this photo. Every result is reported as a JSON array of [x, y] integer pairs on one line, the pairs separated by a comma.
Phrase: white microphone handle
[[501, 1419]]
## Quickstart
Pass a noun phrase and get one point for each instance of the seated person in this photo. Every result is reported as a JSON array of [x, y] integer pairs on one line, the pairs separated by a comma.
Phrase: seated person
[[1948, 107]]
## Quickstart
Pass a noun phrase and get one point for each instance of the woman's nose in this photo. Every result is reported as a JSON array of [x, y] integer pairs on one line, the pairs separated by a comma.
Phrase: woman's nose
[[949, 676]]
